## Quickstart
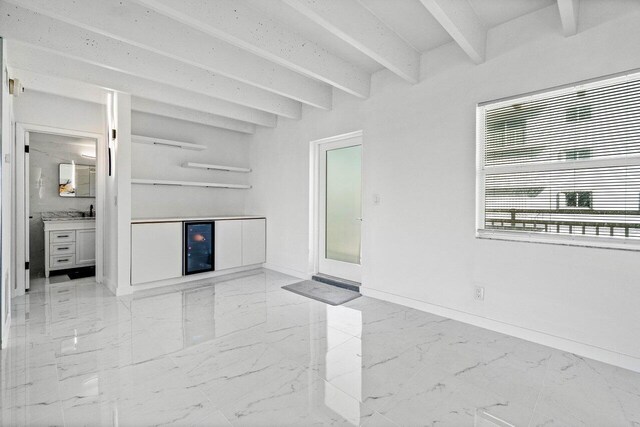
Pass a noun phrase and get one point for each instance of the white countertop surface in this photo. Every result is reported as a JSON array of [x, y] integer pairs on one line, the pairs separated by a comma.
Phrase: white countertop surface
[[196, 218]]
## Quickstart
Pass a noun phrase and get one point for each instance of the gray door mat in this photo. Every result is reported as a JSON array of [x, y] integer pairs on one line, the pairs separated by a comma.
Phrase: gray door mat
[[321, 292]]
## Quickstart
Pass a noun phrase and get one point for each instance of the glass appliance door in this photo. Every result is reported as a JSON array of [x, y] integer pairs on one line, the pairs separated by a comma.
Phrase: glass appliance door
[[198, 251]]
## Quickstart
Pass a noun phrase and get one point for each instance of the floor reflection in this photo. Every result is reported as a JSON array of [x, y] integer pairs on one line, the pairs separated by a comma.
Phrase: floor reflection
[[241, 351]]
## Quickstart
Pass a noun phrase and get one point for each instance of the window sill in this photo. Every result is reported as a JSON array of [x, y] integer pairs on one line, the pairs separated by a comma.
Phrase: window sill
[[619, 243]]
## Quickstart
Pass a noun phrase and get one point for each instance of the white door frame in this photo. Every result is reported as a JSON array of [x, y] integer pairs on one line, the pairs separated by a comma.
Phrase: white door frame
[[20, 244], [314, 196]]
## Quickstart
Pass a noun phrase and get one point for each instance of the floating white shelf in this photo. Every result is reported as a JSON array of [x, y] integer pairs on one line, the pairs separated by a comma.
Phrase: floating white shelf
[[166, 142], [188, 183], [215, 167]]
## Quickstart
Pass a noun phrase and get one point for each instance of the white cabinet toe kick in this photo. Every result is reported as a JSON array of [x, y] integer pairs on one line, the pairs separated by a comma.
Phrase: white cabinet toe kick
[[165, 252], [69, 244]]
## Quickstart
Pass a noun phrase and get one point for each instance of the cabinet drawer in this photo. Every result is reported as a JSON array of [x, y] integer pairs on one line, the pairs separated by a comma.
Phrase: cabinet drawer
[[62, 261], [62, 236], [62, 249]]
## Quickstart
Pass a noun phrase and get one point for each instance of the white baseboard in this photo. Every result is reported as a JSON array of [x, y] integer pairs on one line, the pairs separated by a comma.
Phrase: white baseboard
[[582, 349], [109, 285], [287, 270]]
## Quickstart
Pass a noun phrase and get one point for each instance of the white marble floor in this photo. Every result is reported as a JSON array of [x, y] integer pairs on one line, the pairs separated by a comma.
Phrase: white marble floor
[[245, 352]]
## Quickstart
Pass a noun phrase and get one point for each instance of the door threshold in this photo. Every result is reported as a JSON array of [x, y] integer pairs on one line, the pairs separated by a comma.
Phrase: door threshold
[[337, 281]]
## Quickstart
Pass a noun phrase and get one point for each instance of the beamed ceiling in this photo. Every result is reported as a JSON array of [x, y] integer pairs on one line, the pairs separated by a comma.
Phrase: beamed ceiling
[[240, 64]]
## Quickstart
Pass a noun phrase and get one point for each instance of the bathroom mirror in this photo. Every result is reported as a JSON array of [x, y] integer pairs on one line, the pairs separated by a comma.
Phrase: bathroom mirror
[[77, 180]]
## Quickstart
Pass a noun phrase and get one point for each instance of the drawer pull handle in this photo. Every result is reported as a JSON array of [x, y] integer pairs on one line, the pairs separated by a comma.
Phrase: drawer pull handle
[[62, 249], [63, 260], [63, 235]]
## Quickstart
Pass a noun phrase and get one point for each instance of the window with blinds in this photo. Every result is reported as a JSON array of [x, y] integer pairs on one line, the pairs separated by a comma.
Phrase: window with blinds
[[562, 165]]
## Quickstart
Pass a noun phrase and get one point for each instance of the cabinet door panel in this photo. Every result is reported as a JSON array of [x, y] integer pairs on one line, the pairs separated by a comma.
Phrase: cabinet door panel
[[85, 247], [253, 241], [156, 252], [228, 244]]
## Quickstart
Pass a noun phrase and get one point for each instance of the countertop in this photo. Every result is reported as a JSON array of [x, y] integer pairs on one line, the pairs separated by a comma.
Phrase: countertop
[[66, 216], [199, 218]]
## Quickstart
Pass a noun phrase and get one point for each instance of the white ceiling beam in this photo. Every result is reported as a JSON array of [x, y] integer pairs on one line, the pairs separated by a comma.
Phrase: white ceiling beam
[[569, 16], [140, 26], [238, 24], [57, 86], [165, 110], [463, 25], [31, 27], [89, 93], [43, 61], [356, 25]]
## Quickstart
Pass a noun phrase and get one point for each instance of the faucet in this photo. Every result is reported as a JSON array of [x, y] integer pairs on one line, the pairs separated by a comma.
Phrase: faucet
[[91, 210]]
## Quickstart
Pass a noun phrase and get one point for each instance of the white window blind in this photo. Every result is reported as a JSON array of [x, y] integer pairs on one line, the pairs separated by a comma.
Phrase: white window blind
[[562, 166]]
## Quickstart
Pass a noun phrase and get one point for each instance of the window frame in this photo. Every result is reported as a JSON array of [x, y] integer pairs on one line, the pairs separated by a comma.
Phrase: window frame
[[620, 243]]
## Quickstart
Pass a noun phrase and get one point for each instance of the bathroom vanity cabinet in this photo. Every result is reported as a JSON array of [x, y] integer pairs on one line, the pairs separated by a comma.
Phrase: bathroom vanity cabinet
[[69, 244]]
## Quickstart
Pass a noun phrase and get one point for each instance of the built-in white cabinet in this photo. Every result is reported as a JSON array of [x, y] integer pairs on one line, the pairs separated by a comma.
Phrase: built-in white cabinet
[[254, 241], [156, 251], [69, 244], [228, 244], [239, 243]]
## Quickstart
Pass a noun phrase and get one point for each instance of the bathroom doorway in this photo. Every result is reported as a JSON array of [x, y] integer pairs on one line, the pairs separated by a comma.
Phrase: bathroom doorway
[[59, 204]]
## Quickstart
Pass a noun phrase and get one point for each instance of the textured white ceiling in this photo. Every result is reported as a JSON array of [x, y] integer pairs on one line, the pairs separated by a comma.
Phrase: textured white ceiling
[[407, 18], [411, 21], [296, 22], [244, 71], [496, 12]]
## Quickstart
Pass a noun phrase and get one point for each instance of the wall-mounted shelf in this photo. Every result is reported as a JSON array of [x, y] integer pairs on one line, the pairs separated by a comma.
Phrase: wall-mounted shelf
[[188, 184], [138, 139], [215, 167]]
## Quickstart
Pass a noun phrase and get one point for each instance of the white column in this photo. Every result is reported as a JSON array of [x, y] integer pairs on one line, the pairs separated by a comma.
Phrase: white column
[[117, 253]]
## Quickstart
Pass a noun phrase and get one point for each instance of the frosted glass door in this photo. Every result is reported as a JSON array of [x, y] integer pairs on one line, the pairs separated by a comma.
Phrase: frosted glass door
[[344, 204], [340, 208]]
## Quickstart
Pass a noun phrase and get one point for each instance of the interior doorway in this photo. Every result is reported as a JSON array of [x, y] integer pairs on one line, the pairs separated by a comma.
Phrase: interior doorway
[[60, 181], [339, 206]]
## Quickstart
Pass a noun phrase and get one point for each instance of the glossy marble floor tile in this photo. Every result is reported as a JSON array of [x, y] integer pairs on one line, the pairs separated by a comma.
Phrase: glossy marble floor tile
[[241, 351]]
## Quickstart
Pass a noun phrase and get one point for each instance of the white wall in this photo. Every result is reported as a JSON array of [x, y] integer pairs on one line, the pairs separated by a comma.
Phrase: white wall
[[57, 111], [158, 162], [5, 199], [45, 157], [419, 156]]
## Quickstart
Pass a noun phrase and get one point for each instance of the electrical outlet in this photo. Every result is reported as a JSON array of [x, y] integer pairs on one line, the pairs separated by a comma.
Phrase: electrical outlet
[[479, 293]]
